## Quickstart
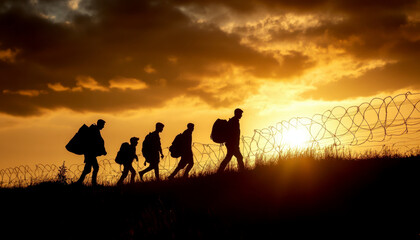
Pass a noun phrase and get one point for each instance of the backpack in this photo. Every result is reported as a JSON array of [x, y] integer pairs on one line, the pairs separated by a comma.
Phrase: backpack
[[177, 146], [219, 132], [123, 154], [78, 144], [147, 146]]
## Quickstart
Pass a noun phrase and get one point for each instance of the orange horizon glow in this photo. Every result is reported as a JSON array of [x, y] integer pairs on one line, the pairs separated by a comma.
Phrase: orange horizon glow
[[134, 63]]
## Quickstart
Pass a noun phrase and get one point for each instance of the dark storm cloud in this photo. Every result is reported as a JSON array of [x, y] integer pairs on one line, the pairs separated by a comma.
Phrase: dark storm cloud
[[251, 5], [388, 36], [365, 30], [86, 101], [46, 43], [373, 30], [308, 6], [104, 40]]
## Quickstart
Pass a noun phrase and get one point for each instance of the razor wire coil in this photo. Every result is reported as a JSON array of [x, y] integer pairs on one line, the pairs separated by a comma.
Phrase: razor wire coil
[[373, 124]]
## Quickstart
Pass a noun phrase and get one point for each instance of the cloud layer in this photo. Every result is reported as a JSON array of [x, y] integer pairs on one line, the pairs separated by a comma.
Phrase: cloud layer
[[95, 55]]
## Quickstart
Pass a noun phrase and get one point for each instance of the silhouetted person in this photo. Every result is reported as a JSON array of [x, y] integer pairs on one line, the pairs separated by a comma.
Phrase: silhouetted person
[[95, 147], [151, 150], [187, 158], [129, 156], [232, 143]]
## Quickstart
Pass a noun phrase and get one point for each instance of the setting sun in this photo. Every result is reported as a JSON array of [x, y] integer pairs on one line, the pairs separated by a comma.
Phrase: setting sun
[[294, 138]]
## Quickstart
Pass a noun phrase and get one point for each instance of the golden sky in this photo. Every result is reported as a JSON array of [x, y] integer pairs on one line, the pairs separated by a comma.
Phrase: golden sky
[[68, 62]]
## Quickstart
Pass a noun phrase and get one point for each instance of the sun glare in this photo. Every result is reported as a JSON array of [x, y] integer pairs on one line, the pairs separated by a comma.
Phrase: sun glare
[[294, 138]]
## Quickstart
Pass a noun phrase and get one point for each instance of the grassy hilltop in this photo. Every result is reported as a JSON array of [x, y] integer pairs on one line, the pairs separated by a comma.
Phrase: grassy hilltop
[[374, 198]]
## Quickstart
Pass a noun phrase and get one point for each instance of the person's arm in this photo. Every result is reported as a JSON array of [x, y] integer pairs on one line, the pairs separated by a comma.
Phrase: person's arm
[[160, 150]]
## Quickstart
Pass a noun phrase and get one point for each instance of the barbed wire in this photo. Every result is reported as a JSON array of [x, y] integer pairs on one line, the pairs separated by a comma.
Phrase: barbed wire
[[377, 121], [389, 121]]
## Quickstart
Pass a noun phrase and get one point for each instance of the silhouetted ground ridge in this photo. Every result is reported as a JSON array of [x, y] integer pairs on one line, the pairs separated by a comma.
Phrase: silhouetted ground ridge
[[342, 199]]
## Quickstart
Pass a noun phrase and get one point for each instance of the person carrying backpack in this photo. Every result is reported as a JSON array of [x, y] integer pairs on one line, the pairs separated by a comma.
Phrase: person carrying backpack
[[232, 142], [127, 154], [94, 147], [151, 150], [187, 158]]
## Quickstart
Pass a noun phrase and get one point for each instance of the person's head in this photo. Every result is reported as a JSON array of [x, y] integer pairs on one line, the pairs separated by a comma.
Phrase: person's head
[[100, 123], [134, 141], [238, 113], [159, 127], [190, 126]]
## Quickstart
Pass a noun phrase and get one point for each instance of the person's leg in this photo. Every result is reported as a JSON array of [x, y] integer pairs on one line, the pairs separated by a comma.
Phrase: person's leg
[[133, 173], [149, 160], [156, 167], [142, 172], [153, 165], [123, 176], [225, 161], [240, 159], [177, 169], [188, 169], [180, 166], [86, 170], [190, 164], [95, 167]]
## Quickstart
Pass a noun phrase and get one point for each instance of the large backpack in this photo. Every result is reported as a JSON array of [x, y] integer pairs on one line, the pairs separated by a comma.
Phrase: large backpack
[[78, 144], [123, 154], [177, 146], [147, 146], [219, 132]]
